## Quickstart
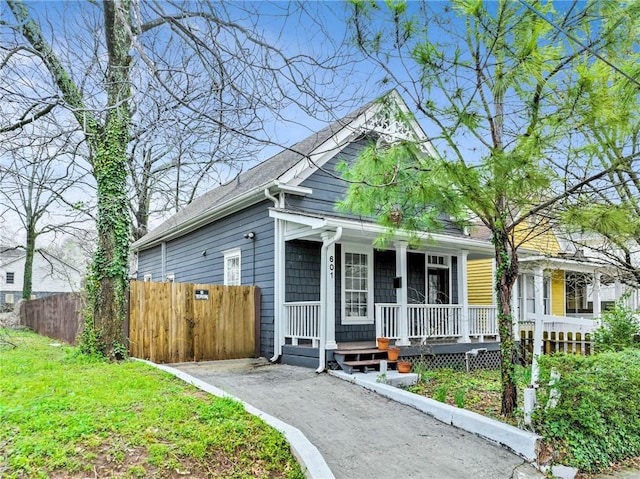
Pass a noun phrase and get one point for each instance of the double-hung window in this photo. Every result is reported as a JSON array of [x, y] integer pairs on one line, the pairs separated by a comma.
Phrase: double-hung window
[[357, 285], [232, 267]]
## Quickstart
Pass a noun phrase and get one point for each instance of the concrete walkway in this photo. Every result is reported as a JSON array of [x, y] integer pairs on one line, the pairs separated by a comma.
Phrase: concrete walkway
[[361, 434]]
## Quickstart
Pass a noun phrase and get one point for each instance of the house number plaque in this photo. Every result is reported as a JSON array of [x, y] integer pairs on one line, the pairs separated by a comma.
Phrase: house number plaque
[[202, 294]]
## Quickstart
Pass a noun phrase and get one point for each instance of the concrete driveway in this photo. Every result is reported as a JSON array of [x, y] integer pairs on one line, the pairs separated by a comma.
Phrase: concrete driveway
[[360, 434]]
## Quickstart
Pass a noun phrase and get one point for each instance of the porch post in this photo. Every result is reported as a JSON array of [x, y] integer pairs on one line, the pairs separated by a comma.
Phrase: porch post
[[328, 278], [463, 297], [401, 293], [538, 290], [515, 313], [618, 288], [596, 295], [538, 282], [524, 303]]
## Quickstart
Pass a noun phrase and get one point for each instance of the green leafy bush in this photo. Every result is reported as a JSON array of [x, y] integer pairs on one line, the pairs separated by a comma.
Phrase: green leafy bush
[[596, 417], [619, 329]]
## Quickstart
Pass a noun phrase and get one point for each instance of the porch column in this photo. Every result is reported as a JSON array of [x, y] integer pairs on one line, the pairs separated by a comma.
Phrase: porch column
[[524, 303], [401, 293], [463, 297], [538, 291], [618, 288], [596, 295], [328, 278], [515, 313]]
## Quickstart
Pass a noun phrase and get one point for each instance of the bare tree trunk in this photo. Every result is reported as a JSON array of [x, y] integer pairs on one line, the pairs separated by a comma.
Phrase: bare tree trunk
[[30, 248]]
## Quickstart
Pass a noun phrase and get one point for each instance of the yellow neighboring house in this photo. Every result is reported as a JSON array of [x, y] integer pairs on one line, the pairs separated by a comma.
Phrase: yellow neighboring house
[[555, 278]]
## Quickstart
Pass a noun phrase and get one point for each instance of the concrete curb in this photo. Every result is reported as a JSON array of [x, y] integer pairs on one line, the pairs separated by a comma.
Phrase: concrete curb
[[308, 455], [523, 443]]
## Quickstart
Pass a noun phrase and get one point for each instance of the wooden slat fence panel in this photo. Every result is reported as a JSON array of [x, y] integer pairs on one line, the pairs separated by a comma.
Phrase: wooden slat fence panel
[[168, 323], [553, 342], [59, 316]]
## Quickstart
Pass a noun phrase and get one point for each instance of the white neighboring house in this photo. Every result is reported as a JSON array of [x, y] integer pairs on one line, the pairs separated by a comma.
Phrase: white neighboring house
[[592, 247], [51, 275]]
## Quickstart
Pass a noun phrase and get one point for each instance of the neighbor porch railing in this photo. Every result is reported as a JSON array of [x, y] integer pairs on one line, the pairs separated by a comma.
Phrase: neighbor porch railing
[[560, 324], [435, 321], [483, 321], [302, 321]]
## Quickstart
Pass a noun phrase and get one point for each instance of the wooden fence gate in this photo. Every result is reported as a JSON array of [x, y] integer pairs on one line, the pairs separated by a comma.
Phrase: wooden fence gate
[[176, 322]]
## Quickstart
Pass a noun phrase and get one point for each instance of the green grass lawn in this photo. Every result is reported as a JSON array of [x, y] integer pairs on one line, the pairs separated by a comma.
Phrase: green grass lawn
[[479, 391], [66, 415]]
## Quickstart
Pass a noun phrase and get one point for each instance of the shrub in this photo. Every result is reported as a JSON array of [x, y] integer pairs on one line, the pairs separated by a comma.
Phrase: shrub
[[619, 329], [596, 417]]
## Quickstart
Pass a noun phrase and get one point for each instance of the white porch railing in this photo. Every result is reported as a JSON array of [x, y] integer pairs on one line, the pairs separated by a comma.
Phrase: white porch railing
[[483, 321], [387, 319], [560, 324], [435, 321], [302, 321]]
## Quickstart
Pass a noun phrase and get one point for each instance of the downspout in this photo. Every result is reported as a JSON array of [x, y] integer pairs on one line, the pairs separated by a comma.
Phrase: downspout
[[323, 295], [276, 279]]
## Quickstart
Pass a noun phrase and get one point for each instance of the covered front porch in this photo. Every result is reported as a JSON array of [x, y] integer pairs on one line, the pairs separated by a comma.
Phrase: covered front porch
[[336, 287]]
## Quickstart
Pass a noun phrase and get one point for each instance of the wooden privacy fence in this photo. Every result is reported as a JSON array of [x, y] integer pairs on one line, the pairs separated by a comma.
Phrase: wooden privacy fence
[[59, 316], [176, 322], [553, 342]]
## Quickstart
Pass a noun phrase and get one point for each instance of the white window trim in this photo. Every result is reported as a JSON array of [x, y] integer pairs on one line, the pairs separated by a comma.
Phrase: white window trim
[[359, 249], [227, 255], [8, 298]]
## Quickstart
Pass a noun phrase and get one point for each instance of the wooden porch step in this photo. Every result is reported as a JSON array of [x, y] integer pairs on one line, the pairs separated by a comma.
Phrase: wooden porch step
[[368, 362], [358, 351]]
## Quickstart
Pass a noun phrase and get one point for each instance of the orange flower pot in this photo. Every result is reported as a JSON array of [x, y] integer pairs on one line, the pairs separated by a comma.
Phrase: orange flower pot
[[404, 366], [393, 353], [383, 344]]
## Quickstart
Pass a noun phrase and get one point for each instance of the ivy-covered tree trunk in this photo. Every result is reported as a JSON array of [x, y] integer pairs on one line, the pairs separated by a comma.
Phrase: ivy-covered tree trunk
[[506, 274], [109, 283]]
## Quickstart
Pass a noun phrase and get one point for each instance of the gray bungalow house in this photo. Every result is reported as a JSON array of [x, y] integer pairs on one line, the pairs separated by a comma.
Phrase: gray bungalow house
[[324, 285]]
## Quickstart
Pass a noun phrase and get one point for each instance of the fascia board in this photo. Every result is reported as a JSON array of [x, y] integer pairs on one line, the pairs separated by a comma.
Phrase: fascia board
[[567, 264], [293, 190], [375, 229], [314, 223]]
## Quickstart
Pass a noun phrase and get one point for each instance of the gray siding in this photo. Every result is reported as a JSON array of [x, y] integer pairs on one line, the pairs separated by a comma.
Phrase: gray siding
[[454, 280], [416, 281], [384, 270], [328, 188], [185, 258], [149, 261], [302, 275]]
